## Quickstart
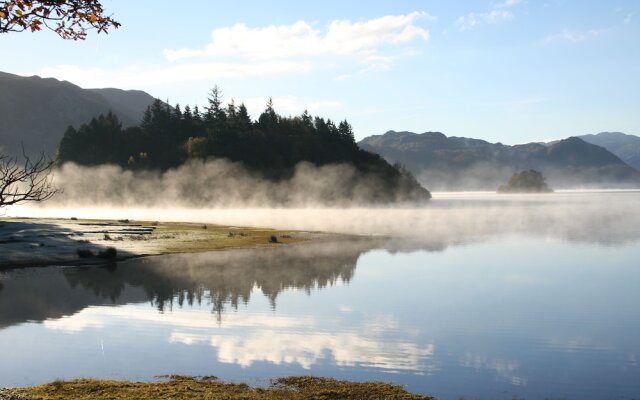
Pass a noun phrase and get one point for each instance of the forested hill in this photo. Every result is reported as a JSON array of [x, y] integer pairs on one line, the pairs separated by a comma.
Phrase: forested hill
[[270, 147], [34, 111]]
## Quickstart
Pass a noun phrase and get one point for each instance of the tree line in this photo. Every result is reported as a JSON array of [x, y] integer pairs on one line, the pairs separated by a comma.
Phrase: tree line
[[271, 146], [169, 135]]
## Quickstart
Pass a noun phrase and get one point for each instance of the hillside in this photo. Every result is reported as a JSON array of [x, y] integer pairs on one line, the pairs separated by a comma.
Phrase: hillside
[[458, 163], [35, 111], [627, 147]]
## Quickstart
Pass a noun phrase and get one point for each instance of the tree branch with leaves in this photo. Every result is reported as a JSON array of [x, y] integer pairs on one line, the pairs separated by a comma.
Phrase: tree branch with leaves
[[29, 180], [70, 19]]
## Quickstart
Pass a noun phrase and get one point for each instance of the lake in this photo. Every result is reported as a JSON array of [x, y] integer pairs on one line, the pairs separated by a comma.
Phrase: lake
[[476, 296]]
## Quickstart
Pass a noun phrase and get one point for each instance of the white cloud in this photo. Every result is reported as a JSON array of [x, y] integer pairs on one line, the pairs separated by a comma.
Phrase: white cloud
[[472, 19], [574, 36], [317, 105], [99, 317], [137, 77], [507, 4], [505, 369], [73, 324], [497, 13], [240, 51], [340, 38], [306, 349]]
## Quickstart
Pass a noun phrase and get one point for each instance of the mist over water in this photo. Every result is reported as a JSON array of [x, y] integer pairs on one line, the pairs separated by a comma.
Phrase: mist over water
[[219, 192], [488, 176], [218, 183], [326, 199], [500, 305]]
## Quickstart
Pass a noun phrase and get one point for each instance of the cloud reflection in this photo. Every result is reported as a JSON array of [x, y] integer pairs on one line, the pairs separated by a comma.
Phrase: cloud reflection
[[347, 349]]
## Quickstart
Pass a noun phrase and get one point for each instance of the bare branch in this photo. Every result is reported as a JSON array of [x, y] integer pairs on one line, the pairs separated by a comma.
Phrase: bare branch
[[30, 180]]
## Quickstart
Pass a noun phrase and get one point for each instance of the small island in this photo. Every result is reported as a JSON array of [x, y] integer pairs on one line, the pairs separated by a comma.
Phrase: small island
[[530, 181], [273, 149]]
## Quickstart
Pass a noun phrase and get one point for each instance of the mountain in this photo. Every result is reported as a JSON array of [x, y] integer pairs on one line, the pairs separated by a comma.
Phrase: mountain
[[627, 147], [128, 105], [458, 163], [35, 111]]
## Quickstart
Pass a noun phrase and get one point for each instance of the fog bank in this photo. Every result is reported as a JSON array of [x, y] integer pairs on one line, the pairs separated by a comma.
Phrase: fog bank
[[488, 176], [218, 183], [333, 198], [450, 218]]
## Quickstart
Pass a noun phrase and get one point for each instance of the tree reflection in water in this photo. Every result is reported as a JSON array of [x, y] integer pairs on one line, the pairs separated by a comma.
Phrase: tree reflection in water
[[219, 278]]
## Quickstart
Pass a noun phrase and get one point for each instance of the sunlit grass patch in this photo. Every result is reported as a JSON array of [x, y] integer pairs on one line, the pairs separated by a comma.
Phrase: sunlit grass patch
[[181, 387], [194, 237]]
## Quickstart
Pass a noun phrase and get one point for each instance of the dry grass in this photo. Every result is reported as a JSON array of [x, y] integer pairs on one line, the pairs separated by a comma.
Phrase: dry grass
[[194, 237], [64, 241], [180, 387]]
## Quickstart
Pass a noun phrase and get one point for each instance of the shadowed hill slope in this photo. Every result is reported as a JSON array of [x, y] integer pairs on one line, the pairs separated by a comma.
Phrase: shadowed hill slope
[[627, 147], [458, 163], [35, 111]]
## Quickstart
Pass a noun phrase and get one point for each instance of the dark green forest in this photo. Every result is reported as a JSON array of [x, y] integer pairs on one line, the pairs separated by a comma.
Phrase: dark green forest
[[270, 147]]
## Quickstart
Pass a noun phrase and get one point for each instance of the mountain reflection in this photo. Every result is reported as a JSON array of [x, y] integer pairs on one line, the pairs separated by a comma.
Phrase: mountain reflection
[[217, 278]]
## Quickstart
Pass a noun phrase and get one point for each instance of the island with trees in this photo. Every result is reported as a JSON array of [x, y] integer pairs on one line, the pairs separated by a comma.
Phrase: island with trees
[[530, 181], [270, 147]]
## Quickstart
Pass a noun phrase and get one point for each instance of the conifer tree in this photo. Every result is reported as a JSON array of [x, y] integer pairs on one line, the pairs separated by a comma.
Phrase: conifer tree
[[243, 118]]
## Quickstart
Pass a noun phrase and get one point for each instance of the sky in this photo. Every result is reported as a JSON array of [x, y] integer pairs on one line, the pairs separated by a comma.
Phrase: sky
[[509, 71]]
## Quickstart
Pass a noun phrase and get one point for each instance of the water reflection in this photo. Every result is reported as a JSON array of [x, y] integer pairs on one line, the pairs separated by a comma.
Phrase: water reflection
[[217, 279], [510, 316], [249, 338]]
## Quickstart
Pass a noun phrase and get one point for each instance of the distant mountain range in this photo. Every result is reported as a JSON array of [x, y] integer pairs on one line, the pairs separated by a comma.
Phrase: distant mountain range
[[627, 147], [457, 163], [34, 111]]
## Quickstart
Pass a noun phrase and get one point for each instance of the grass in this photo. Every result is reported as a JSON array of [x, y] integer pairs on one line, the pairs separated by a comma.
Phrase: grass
[[194, 237], [182, 387], [168, 237]]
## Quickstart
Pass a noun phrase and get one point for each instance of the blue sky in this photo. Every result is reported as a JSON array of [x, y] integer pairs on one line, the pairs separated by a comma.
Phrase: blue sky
[[511, 71]]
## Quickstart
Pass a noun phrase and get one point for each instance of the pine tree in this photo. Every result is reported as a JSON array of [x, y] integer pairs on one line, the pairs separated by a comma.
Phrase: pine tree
[[187, 115], [197, 116], [243, 117], [231, 109], [214, 112], [176, 114], [307, 119], [268, 119], [346, 131]]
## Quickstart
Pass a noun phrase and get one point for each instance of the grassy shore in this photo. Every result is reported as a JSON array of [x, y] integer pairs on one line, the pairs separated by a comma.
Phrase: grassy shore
[[39, 242], [180, 387]]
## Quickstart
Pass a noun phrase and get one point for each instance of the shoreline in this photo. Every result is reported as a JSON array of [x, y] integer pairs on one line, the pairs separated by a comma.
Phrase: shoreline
[[186, 387], [41, 242]]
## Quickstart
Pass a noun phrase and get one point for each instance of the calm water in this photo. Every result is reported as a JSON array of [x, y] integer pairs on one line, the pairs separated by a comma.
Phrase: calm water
[[528, 315]]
